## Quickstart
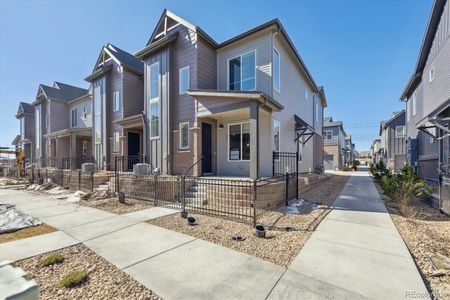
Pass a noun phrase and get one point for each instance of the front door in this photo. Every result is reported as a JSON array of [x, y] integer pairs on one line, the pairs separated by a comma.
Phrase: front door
[[134, 146], [206, 148]]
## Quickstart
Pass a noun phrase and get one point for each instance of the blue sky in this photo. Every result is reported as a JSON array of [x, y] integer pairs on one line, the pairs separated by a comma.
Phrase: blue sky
[[363, 52]]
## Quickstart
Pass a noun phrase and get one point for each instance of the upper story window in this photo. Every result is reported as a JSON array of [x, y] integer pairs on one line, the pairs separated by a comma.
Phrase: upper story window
[[116, 141], [242, 72], [47, 120], [153, 105], [432, 73], [84, 112], [276, 135], [328, 134], [38, 127], [239, 141], [116, 103], [184, 80], [276, 69], [400, 131], [414, 103], [97, 114], [318, 115], [184, 135], [74, 117], [22, 128]]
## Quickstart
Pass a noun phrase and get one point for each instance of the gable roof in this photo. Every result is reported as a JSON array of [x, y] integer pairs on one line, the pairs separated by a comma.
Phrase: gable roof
[[395, 115], [427, 43], [16, 140], [122, 58], [328, 122], [25, 108], [60, 91], [272, 23]]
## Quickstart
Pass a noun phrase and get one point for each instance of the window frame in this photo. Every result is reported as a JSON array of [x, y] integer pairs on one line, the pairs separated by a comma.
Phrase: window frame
[[47, 120], [326, 137], [116, 101], [116, 141], [180, 81], [154, 100], [84, 112], [180, 137], [241, 145], [228, 71], [397, 134], [273, 69]]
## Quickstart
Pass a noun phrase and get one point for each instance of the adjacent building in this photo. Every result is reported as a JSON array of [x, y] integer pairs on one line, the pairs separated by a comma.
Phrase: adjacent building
[[334, 144], [25, 141], [376, 151], [392, 141], [349, 150]]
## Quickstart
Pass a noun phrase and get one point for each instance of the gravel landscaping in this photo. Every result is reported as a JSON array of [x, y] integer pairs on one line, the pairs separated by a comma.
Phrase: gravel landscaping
[[426, 236], [104, 281], [286, 234], [26, 233], [113, 205]]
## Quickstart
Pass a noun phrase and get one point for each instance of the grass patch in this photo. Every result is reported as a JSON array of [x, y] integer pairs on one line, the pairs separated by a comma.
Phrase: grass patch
[[52, 259], [25, 233], [74, 278]]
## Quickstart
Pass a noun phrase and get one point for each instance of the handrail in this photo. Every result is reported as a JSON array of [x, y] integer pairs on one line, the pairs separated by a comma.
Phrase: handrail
[[184, 173]]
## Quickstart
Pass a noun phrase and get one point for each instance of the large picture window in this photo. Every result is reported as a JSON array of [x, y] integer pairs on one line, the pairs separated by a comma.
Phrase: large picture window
[[154, 100], [97, 114], [184, 135], [400, 131], [242, 72], [276, 69], [239, 141]]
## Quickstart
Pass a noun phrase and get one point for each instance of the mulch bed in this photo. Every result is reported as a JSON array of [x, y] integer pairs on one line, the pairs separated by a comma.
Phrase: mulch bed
[[26, 233], [425, 235], [104, 280], [286, 234]]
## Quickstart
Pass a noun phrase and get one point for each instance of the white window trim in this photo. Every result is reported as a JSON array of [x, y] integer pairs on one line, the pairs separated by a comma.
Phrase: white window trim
[[228, 144], [228, 70], [116, 146], [116, 105], [154, 100], [188, 80], [403, 134], [414, 103], [180, 136], [279, 70]]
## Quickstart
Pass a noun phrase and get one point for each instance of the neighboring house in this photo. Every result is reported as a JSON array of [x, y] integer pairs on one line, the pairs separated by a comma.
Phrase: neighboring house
[[118, 97], [25, 115], [334, 144], [427, 95], [52, 121], [392, 136], [222, 108], [375, 151], [349, 149]]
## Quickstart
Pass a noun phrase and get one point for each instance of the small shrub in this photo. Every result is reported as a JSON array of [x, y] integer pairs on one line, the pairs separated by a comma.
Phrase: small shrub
[[52, 259], [74, 278], [355, 164]]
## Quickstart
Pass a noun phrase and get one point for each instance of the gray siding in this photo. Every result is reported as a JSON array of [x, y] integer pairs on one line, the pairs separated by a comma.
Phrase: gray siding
[[133, 94], [206, 65]]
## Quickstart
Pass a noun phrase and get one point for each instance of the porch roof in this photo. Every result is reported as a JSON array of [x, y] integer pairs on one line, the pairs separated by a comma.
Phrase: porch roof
[[244, 95], [437, 119], [131, 121], [69, 131]]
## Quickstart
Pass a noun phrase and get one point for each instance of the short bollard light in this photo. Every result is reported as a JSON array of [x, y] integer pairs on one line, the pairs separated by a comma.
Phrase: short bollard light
[[260, 231], [121, 196], [191, 221]]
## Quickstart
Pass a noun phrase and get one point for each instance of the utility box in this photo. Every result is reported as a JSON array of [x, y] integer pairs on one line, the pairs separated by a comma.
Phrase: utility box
[[142, 169]]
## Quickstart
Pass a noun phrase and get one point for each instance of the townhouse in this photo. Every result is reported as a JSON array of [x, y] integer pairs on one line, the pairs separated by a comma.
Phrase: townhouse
[[25, 140], [53, 134], [223, 108], [427, 98], [375, 150], [392, 141], [349, 149], [118, 96], [334, 144]]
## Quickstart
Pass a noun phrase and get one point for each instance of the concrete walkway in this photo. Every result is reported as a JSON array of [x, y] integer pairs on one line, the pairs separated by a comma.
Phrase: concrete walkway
[[356, 252]]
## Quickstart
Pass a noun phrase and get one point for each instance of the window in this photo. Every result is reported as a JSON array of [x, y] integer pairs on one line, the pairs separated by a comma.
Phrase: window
[[328, 134], [116, 141], [74, 114], [116, 103], [184, 80], [22, 128], [432, 140], [84, 112], [318, 115], [432, 73], [47, 120], [38, 127], [414, 103], [306, 94], [97, 114], [242, 72], [239, 141], [276, 70], [400, 131], [184, 135], [154, 100], [85, 147], [276, 135]]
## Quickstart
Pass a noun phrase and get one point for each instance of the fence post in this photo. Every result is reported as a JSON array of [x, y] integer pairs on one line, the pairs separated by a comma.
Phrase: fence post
[[255, 192], [183, 199], [79, 179], [116, 175], [287, 189], [92, 181], [46, 175], [296, 175], [62, 177], [155, 185]]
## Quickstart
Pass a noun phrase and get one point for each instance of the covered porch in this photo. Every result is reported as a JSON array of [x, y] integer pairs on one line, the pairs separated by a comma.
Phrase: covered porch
[[131, 143], [233, 133]]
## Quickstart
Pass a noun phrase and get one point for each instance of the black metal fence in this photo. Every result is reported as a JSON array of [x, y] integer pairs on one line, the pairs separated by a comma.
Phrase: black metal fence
[[68, 179], [284, 162], [126, 163], [75, 162]]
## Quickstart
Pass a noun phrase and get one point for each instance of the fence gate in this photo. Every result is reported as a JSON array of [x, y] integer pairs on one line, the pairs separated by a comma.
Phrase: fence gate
[[284, 162]]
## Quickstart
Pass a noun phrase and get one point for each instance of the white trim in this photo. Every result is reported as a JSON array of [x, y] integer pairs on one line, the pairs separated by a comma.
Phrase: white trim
[[154, 100], [279, 70], [414, 103], [228, 71], [180, 133], [241, 148], [116, 106], [188, 80]]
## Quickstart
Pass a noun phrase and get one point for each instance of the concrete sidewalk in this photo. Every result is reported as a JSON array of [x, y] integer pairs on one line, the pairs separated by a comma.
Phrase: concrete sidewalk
[[356, 253]]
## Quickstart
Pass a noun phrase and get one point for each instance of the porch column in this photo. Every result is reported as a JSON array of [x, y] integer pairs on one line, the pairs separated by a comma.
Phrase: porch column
[[254, 140], [72, 151]]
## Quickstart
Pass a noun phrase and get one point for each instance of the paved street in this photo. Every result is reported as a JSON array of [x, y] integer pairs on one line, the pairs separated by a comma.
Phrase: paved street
[[356, 252]]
